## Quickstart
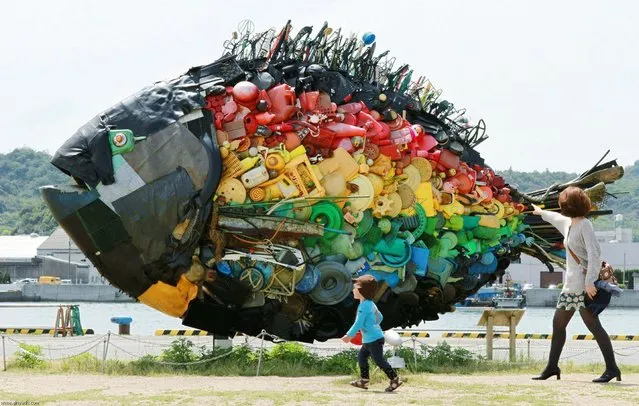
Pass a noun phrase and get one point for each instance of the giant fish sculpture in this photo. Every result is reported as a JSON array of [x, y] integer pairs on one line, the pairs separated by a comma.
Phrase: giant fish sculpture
[[247, 193]]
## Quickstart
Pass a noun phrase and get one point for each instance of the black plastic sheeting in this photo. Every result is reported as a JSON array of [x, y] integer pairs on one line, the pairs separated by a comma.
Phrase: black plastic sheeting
[[101, 236], [179, 162], [87, 156], [150, 214], [172, 147]]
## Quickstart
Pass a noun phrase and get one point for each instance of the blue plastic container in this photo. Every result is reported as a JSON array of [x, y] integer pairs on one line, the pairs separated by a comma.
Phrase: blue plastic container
[[368, 38], [309, 280], [440, 269], [391, 278], [223, 267], [479, 268], [419, 256]]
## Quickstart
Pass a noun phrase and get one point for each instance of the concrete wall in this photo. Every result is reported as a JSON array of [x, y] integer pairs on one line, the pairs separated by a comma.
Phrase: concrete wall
[[10, 296], [528, 270], [63, 255], [542, 297], [549, 297], [616, 254], [76, 272], [18, 271], [74, 293]]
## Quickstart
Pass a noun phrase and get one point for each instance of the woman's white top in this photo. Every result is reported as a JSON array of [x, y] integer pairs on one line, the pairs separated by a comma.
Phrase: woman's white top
[[580, 237]]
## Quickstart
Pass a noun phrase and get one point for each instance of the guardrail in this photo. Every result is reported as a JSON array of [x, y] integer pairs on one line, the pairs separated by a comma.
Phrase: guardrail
[[613, 337], [520, 336], [37, 331], [189, 333]]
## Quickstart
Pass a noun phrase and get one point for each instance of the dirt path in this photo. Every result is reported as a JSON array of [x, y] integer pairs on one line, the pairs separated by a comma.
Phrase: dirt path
[[419, 389]]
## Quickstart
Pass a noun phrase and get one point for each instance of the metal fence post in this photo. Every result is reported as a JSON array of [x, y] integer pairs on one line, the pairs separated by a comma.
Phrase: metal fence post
[[105, 350], [4, 354], [529, 349], [414, 351], [259, 360]]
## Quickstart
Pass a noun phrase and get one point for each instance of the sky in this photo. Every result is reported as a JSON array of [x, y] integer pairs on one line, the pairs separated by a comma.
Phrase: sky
[[555, 81]]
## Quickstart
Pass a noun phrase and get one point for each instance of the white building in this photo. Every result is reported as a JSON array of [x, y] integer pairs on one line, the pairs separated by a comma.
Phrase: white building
[[621, 235], [619, 255], [18, 256], [32, 256], [61, 257]]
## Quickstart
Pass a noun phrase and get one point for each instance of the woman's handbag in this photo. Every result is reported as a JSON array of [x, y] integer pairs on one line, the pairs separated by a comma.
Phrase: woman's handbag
[[602, 299]]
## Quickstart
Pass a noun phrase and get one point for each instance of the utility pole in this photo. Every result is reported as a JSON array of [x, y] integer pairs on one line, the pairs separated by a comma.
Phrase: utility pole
[[76, 273], [624, 269]]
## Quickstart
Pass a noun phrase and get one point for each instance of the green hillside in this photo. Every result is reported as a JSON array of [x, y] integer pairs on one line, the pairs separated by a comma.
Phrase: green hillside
[[23, 170], [626, 191], [22, 211]]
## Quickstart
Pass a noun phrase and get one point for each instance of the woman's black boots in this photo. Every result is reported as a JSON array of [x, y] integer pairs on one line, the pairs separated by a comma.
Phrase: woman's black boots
[[547, 373]]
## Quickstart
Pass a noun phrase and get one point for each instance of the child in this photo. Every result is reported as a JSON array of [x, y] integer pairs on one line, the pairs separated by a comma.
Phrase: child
[[368, 320]]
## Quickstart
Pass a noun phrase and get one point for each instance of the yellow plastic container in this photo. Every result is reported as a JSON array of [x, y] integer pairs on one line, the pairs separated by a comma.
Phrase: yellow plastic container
[[424, 194], [488, 220], [301, 173], [334, 184], [342, 162], [275, 162], [249, 162], [363, 198], [280, 187], [377, 182]]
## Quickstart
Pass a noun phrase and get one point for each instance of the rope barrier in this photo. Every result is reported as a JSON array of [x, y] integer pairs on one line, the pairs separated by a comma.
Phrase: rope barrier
[[48, 348], [40, 357], [204, 361], [73, 346], [251, 343], [124, 337]]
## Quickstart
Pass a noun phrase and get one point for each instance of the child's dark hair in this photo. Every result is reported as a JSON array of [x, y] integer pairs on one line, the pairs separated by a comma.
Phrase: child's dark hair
[[366, 285]]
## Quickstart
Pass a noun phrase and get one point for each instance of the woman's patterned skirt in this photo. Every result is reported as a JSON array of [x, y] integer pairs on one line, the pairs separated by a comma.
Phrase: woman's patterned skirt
[[571, 301]]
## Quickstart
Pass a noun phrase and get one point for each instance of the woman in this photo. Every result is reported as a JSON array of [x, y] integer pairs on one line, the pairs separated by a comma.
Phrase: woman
[[368, 321], [579, 280]]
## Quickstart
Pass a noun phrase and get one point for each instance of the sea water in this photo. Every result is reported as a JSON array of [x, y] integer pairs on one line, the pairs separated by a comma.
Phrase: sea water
[[146, 320]]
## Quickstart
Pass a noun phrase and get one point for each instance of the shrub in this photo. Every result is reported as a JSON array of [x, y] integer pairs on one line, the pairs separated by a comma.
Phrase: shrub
[[240, 355], [443, 355], [180, 351], [145, 365], [30, 357], [341, 363], [294, 353], [81, 363]]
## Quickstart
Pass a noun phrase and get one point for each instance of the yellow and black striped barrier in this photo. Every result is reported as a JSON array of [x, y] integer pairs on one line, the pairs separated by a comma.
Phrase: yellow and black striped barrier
[[465, 335], [182, 333], [418, 334], [613, 337], [37, 331], [521, 336]]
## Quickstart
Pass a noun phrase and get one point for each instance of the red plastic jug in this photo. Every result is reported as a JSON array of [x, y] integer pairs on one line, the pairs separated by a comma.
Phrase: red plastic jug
[[282, 102]]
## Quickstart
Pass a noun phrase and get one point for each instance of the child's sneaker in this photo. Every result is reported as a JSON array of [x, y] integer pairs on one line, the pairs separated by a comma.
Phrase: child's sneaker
[[394, 384], [360, 383]]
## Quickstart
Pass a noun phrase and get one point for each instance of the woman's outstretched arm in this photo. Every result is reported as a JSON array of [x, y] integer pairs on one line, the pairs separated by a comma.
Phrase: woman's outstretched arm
[[559, 221]]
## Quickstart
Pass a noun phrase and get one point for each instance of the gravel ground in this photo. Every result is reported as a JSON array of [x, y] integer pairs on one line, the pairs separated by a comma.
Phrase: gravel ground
[[33, 389]]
